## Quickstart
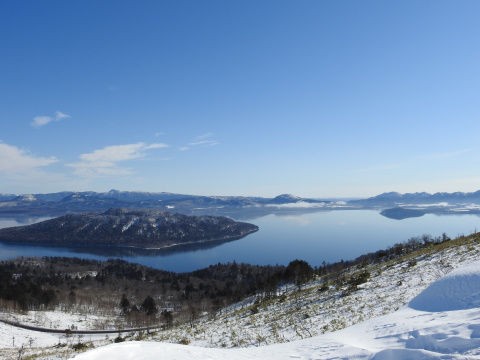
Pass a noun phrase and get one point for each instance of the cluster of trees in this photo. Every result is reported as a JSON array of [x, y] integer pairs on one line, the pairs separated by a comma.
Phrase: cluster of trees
[[138, 292], [23, 290], [148, 306], [141, 293], [394, 251]]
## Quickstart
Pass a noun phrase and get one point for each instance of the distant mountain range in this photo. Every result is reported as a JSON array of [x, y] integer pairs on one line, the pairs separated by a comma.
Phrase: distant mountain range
[[238, 207], [77, 202], [146, 229], [401, 206], [395, 198]]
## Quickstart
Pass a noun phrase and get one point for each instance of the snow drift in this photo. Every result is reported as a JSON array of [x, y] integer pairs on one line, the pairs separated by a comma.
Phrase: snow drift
[[458, 290]]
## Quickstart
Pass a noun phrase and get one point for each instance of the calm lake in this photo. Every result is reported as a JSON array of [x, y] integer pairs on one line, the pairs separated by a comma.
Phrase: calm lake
[[315, 237]]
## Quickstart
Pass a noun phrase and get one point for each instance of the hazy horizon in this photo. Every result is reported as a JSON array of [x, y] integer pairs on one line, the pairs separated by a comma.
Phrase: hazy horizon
[[243, 195]]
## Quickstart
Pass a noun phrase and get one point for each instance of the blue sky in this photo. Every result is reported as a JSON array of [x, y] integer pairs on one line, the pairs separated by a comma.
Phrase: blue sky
[[314, 98]]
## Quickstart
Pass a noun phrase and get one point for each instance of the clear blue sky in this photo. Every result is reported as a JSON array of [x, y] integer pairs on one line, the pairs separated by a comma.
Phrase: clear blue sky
[[314, 98]]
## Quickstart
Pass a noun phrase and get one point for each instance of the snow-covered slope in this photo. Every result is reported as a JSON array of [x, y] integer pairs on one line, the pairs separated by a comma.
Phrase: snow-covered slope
[[324, 305], [442, 322], [457, 291], [325, 319]]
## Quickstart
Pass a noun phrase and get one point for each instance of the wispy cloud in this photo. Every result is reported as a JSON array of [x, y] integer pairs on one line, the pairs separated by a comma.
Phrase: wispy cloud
[[204, 140], [105, 161], [42, 120], [14, 160], [156, 146], [22, 171]]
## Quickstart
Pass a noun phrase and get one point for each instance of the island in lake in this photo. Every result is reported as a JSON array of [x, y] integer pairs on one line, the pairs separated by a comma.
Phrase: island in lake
[[400, 213], [144, 229]]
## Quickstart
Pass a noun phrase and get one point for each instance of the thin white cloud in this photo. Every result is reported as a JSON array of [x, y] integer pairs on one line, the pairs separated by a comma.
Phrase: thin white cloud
[[204, 140], [156, 146], [14, 160], [61, 116], [104, 162], [42, 120]]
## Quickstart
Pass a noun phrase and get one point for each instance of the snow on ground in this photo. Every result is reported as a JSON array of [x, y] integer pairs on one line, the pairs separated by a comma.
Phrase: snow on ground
[[11, 336], [405, 334], [313, 313], [61, 320], [13, 339], [458, 290], [317, 309], [152, 350]]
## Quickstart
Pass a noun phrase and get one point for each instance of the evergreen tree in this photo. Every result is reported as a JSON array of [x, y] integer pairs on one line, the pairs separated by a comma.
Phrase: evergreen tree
[[299, 272], [125, 305], [149, 306]]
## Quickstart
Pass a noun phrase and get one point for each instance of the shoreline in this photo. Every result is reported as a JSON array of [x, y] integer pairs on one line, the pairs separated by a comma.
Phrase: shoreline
[[132, 247]]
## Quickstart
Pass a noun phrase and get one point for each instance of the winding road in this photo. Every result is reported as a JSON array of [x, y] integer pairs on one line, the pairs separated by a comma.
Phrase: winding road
[[74, 332]]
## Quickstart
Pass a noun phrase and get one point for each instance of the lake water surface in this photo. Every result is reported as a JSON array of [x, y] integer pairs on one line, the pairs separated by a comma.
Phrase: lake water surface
[[315, 237]]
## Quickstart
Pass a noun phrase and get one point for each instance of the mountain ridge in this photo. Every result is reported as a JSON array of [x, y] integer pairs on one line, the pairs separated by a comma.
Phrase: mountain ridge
[[88, 201], [239, 207], [393, 198]]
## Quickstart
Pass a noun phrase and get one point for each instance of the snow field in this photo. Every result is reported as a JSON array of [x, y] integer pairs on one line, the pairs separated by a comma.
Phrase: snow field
[[436, 336]]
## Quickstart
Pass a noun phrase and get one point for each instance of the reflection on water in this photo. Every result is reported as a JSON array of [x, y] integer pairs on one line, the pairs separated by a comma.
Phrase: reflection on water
[[109, 251], [315, 237]]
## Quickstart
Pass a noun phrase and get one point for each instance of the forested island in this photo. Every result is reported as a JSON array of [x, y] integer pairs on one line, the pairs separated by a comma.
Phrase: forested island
[[145, 229]]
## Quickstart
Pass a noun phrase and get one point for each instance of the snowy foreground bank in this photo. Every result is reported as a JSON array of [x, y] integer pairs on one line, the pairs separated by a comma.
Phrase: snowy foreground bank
[[442, 322]]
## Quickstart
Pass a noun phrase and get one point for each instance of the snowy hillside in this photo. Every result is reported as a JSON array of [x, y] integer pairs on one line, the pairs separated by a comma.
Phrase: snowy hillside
[[445, 330], [331, 317], [325, 305]]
